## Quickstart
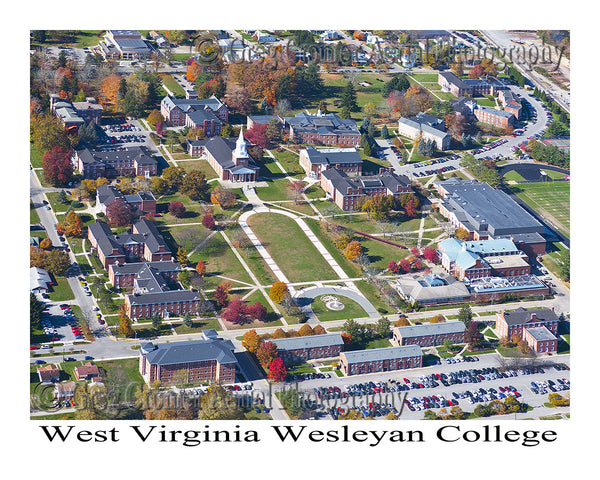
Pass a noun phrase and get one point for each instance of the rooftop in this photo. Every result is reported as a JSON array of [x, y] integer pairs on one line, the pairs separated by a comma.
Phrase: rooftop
[[187, 352], [388, 353], [309, 341], [430, 329]]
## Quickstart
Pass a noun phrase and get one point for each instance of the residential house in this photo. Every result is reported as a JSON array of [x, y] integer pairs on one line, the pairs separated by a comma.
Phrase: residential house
[[48, 373], [64, 391], [39, 280], [87, 371]]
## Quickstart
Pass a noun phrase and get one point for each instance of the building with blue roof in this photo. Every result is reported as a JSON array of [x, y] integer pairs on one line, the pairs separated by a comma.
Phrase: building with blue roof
[[482, 258]]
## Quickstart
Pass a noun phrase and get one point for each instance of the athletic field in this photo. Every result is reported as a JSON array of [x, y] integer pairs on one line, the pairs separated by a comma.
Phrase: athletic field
[[549, 199]]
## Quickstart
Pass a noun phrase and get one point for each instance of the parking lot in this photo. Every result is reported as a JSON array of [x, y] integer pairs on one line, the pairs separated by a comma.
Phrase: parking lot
[[60, 324], [462, 383], [119, 136]]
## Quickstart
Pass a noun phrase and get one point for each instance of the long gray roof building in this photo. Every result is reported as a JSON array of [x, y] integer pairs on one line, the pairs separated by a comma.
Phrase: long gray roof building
[[427, 329], [187, 352], [377, 354], [309, 341]]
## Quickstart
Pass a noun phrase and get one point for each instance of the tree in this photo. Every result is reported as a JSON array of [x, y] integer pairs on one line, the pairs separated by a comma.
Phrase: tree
[[154, 117], [182, 256], [277, 370], [208, 221], [257, 134], [235, 311], [47, 132], [319, 330], [477, 71], [265, 354], [224, 197], [36, 309], [430, 254], [402, 322], [348, 99], [57, 262], [404, 265], [194, 185], [57, 165], [393, 267], [192, 72], [279, 333], [72, 225], [382, 328], [410, 209], [46, 244], [251, 341], [177, 209], [384, 132], [37, 257], [296, 187], [174, 177], [119, 213], [201, 268], [158, 186], [219, 404], [124, 322], [156, 321], [472, 335], [438, 319], [461, 233], [353, 250], [465, 315], [370, 109], [221, 294], [355, 330], [278, 292], [273, 130], [305, 331], [256, 311]]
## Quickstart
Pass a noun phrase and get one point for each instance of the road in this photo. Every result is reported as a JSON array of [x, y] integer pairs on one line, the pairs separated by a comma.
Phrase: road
[[502, 39]]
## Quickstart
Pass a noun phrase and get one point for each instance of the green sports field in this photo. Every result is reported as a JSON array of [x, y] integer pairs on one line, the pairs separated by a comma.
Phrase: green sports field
[[550, 199]]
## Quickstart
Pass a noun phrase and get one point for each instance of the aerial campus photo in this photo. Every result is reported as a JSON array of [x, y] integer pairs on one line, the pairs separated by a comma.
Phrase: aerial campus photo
[[299, 224]]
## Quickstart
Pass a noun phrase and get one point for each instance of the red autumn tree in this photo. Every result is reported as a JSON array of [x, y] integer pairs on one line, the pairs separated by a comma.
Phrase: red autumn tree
[[257, 134], [477, 71], [221, 295], [201, 268], [57, 165], [415, 251], [235, 311], [393, 267], [208, 221], [277, 370], [430, 254], [266, 353], [417, 265], [177, 209], [256, 311], [404, 265], [410, 209], [118, 213], [347, 338]]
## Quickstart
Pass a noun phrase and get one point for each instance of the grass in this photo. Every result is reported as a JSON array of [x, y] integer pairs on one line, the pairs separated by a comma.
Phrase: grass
[[372, 293], [33, 215], [220, 259], [61, 291], [172, 85], [198, 325], [512, 175], [549, 199], [301, 263], [35, 156], [351, 310], [201, 165]]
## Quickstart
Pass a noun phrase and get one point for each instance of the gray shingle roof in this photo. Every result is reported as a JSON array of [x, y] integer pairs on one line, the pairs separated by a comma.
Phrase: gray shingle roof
[[443, 328], [521, 316], [186, 352], [376, 354], [309, 341]]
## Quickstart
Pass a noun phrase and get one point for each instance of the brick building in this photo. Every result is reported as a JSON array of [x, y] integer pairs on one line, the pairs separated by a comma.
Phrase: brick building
[[144, 243], [497, 118], [323, 129], [228, 157], [298, 349], [469, 87], [510, 103], [125, 275], [359, 362], [133, 161], [482, 258], [509, 324], [207, 114], [166, 303], [88, 371], [346, 191], [75, 114], [540, 340], [140, 202], [428, 335], [315, 161], [487, 213], [48, 373], [209, 360], [426, 127]]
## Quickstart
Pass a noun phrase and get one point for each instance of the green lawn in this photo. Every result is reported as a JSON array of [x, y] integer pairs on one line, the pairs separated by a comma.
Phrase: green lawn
[[35, 156], [220, 260], [62, 291], [201, 165], [198, 325], [549, 199], [351, 310], [301, 263], [512, 175], [172, 85], [33, 215]]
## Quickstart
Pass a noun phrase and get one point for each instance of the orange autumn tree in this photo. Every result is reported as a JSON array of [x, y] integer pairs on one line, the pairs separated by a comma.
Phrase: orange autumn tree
[[110, 89], [353, 250], [71, 226], [192, 72]]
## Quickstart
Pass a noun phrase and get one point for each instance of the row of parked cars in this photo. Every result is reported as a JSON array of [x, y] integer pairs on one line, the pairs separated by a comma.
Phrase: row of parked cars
[[72, 321], [487, 395], [373, 409], [549, 385], [299, 377], [122, 127], [427, 402], [428, 173]]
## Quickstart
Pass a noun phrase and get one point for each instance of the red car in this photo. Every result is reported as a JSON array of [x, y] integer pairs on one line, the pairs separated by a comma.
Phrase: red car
[[34, 347], [406, 380]]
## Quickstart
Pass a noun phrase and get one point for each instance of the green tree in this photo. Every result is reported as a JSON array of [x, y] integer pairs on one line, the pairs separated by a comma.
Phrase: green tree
[[355, 330], [384, 132], [36, 309], [156, 321], [382, 327], [219, 404], [57, 262], [348, 99], [465, 315], [195, 186]]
